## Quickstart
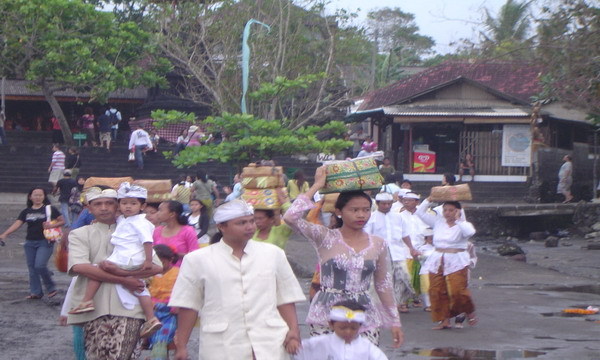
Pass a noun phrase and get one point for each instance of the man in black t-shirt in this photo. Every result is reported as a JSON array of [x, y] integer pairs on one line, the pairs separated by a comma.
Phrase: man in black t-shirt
[[64, 187]]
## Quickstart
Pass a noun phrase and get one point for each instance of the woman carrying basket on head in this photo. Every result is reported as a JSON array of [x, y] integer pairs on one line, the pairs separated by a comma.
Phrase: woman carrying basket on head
[[350, 259]]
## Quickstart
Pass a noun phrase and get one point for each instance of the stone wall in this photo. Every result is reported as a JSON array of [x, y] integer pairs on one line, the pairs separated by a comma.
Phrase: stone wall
[[520, 220]]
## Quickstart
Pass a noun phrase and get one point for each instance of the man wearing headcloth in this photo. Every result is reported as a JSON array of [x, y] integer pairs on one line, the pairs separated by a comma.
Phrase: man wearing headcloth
[[243, 291], [416, 244], [388, 225], [111, 330]]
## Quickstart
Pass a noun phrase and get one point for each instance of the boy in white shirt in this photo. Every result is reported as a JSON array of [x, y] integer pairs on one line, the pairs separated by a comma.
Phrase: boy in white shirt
[[132, 240], [345, 318]]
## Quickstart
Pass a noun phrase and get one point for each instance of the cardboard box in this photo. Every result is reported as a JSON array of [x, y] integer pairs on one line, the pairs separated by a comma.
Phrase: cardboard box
[[113, 183], [451, 193], [158, 190]]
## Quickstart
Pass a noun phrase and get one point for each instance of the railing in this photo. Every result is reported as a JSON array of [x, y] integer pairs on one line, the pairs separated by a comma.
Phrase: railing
[[486, 148]]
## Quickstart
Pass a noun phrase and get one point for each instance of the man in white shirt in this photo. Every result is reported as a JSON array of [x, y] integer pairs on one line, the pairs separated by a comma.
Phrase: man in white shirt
[[140, 143], [243, 291], [415, 242], [388, 225]]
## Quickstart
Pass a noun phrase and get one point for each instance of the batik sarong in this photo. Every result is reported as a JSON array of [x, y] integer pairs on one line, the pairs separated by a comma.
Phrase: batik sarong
[[403, 290], [112, 338]]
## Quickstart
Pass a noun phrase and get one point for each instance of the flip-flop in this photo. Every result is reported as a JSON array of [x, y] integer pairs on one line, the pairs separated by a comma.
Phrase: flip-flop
[[403, 309], [427, 308], [442, 327], [473, 321], [33, 297], [52, 294]]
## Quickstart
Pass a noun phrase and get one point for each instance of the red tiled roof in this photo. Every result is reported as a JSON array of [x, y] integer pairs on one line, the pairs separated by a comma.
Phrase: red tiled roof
[[516, 80]]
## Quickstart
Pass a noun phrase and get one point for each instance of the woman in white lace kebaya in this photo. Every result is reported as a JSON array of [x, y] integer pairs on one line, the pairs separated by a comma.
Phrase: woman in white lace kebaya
[[350, 260]]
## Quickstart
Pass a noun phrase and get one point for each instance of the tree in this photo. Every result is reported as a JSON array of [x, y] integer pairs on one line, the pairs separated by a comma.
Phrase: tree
[[569, 47], [204, 40], [397, 41], [247, 138], [67, 44], [506, 34]]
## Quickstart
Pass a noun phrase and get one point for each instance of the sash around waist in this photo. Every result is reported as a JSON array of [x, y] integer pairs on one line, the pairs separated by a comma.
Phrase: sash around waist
[[449, 250]]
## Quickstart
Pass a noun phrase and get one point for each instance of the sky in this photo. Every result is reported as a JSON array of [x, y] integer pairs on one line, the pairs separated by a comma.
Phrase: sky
[[444, 20]]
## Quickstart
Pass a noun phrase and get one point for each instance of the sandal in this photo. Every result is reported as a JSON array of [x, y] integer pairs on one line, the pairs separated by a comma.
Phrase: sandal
[[403, 308], [84, 307], [458, 321], [33, 297], [150, 327], [442, 326], [472, 320], [52, 294], [417, 304], [427, 308]]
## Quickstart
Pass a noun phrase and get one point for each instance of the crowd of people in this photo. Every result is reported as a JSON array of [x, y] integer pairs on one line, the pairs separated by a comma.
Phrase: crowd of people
[[143, 272]]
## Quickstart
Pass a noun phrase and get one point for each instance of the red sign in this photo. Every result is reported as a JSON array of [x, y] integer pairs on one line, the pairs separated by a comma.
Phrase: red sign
[[424, 161]]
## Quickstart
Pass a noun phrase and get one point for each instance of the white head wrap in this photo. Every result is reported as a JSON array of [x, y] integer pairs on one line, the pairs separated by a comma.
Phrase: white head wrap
[[231, 210], [94, 193], [403, 192], [383, 196], [342, 313], [127, 190], [428, 232], [412, 195]]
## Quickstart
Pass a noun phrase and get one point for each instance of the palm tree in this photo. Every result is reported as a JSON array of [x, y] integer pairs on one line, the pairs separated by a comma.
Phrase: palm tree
[[511, 24]]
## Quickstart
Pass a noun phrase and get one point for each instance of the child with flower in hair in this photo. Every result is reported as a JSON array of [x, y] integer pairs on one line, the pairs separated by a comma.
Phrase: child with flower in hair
[[344, 343]]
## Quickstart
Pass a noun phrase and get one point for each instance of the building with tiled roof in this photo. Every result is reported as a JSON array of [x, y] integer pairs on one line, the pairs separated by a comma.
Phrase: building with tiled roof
[[428, 122]]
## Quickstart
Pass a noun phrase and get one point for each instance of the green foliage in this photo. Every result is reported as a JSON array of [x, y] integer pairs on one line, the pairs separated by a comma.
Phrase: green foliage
[[506, 33], [66, 44], [398, 42], [163, 118], [247, 138], [283, 86], [569, 49]]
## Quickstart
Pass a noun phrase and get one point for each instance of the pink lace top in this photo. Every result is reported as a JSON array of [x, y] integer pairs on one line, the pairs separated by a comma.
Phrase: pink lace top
[[346, 274]]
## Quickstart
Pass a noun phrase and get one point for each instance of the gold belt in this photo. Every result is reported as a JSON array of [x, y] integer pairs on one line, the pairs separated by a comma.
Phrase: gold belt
[[450, 250]]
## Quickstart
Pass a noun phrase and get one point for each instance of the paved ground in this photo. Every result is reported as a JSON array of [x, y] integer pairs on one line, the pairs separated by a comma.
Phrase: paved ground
[[519, 306]]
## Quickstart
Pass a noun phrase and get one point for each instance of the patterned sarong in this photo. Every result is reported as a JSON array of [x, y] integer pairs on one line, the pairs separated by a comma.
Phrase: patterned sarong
[[164, 336], [112, 338], [403, 291]]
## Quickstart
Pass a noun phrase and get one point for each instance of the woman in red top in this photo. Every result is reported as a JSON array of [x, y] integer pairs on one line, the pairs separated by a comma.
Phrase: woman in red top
[[87, 126], [176, 233], [57, 135]]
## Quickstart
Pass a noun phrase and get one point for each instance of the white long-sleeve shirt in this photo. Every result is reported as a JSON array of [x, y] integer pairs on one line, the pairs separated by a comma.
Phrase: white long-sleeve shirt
[[332, 347], [446, 237], [414, 226], [389, 227], [139, 138]]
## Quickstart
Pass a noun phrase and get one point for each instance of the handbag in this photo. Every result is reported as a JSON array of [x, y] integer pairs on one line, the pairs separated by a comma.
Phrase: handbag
[[52, 234]]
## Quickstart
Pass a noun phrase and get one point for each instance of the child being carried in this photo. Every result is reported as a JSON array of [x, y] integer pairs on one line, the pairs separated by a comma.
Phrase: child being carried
[[132, 242]]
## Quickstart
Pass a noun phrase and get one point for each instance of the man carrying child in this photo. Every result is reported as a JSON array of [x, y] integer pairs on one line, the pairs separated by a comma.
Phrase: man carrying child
[[111, 331]]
